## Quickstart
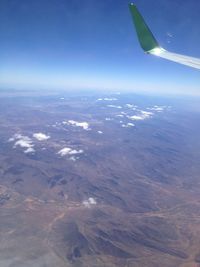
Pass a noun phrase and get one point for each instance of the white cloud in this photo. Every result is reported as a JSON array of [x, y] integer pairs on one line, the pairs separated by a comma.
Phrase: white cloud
[[23, 142], [131, 124], [18, 136], [120, 115], [12, 139], [69, 151], [84, 125], [90, 202], [41, 136], [157, 108], [128, 125], [136, 117], [29, 150], [73, 158], [114, 106], [110, 99], [146, 112], [57, 124], [108, 119], [107, 99], [100, 132], [144, 115], [131, 106]]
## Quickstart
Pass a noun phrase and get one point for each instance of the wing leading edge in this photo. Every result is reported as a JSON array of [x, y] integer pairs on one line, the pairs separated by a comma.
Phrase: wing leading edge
[[150, 45]]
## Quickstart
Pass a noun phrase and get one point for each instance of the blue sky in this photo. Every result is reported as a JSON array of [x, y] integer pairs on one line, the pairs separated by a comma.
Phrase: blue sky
[[90, 44]]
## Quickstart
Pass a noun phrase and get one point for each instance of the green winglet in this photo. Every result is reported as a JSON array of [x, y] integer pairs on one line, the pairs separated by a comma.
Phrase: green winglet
[[145, 36]]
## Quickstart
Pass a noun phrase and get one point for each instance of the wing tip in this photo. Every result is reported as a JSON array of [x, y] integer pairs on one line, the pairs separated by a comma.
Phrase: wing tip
[[131, 4], [146, 38]]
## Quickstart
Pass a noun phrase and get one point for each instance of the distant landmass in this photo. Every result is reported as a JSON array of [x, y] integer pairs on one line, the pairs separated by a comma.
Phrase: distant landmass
[[99, 180]]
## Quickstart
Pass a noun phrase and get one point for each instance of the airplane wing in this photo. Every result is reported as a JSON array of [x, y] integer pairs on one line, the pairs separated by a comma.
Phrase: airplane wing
[[151, 46]]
